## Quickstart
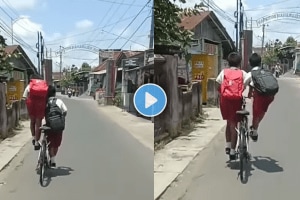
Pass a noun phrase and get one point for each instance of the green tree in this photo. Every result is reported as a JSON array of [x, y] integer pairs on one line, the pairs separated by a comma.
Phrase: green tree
[[290, 41], [270, 58], [167, 17], [85, 67], [4, 57]]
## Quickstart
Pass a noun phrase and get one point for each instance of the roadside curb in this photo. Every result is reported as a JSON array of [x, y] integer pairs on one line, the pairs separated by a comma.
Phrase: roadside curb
[[175, 157], [10, 147]]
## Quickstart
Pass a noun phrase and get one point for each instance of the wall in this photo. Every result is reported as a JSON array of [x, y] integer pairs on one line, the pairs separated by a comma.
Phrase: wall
[[204, 30], [212, 93], [10, 114], [181, 106]]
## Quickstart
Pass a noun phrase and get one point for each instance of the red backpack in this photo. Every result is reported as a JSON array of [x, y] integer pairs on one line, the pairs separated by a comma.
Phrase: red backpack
[[232, 86], [38, 89]]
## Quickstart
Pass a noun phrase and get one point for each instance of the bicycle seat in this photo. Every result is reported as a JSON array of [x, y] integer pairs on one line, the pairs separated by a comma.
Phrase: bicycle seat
[[45, 128], [243, 112]]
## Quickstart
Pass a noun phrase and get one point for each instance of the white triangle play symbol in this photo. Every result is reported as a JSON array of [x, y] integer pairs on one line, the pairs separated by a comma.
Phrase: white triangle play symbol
[[149, 100]]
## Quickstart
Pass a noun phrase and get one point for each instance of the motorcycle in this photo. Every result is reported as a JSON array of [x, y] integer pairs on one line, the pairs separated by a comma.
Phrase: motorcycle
[[277, 73], [70, 94]]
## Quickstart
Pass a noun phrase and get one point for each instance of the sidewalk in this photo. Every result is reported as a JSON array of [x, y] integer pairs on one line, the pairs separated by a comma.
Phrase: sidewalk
[[141, 129], [10, 147], [172, 160]]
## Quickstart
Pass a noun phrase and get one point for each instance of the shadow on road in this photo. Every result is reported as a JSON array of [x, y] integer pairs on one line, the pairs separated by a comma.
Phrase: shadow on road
[[263, 163], [235, 165], [55, 172], [266, 164]]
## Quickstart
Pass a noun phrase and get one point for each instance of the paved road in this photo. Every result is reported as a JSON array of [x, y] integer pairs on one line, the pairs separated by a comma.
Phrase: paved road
[[274, 171], [98, 160]]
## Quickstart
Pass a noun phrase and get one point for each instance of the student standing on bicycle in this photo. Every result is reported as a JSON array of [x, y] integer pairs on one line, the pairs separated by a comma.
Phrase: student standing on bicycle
[[55, 114], [231, 86], [262, 87]]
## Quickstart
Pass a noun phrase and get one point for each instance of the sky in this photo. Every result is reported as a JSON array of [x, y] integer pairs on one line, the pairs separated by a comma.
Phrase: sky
[[256, 9], [104, 24]]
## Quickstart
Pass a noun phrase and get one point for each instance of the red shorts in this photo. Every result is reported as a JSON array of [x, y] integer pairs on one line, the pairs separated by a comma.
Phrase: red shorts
[[261, 104], [54, 139], [228, 109], [36, 108]]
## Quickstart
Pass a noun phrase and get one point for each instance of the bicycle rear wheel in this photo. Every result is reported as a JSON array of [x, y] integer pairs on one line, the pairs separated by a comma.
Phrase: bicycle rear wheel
[[42, 163], [242, 153]]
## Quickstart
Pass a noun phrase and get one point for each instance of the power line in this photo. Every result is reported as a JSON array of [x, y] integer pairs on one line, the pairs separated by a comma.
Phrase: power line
[[129, 24], [135, 31], [120, 3], [83, 33], [105, 15], [124, 14]]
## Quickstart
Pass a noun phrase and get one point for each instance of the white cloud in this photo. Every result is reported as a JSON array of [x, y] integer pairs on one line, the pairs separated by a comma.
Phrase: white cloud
[[137, 47], [83, 24], [20, 4], [26, 29]]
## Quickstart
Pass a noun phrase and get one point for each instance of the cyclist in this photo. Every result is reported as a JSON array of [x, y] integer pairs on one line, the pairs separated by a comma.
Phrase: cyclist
[[54, 137], [231, 86], [36, 106], [260, 102]]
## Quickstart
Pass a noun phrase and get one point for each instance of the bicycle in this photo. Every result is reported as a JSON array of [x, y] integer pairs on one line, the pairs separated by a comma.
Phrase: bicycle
[[44, 157], [243, 139]]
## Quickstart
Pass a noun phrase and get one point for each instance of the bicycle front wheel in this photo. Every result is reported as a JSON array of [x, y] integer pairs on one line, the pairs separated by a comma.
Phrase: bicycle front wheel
[[42, 163], [242, 153]]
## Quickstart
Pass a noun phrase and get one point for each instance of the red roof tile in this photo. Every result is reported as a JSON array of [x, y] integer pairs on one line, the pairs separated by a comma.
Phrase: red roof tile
[[190, 22], [10, 49]]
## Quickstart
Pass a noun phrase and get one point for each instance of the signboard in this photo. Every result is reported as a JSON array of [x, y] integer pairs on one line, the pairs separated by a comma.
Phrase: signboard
[[15, 90], [106, 54], [275, 16], [210, 49]]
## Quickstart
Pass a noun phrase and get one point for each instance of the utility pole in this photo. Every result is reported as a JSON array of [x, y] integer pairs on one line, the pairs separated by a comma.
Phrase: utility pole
[[237, 26], [241, 24], [38, 53], [263, 39], [60, 61], [42, 54], [152, 29]]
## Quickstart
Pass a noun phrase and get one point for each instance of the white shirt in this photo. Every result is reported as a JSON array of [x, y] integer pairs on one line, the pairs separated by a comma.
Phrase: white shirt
[[248, 79], [26, 91], [220, 77], [60, 104]]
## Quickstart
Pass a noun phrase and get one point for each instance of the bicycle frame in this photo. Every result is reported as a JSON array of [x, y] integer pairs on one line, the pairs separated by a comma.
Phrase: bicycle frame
[[41, 145], [244, 125]]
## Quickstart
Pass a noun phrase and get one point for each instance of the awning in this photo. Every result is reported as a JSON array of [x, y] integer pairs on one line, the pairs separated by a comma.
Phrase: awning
[[104, 71]]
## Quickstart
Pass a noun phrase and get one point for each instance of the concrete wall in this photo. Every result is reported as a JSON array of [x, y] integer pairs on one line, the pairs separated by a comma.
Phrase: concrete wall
[[181, 106], [212, 93], [10, 115]]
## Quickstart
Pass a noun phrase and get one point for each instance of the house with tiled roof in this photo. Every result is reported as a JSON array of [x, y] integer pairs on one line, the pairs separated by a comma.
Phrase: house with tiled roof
[[210, 46], [98, 74], [18, 78], [22, 65]]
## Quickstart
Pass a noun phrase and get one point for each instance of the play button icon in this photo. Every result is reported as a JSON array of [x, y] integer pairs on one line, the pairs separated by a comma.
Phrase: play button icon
[[150, 100]]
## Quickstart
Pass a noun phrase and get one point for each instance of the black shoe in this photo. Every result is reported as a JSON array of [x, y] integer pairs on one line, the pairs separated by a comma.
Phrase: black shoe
[[232, 156], [253, 137], [227, 150], [33, 142], [37, 147], [52, 164]]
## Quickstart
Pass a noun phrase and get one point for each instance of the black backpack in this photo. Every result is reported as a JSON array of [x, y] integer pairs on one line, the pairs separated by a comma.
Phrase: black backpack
[[54, 116], [265, 82]]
